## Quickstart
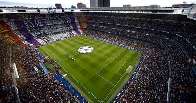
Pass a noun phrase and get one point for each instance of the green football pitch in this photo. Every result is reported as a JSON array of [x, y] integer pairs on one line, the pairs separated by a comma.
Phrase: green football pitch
[[98, 75]]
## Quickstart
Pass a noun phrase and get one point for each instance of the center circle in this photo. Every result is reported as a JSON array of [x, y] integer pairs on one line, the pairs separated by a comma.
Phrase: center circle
[[85, 49]]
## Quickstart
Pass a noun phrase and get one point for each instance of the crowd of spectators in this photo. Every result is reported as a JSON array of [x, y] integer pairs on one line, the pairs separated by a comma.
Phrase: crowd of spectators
[[45, 89], [41, 29], [163, 74], [33, 85], [6, 89]]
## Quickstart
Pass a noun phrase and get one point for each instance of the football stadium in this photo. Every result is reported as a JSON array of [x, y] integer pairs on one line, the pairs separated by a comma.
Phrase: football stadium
[[97, 53]]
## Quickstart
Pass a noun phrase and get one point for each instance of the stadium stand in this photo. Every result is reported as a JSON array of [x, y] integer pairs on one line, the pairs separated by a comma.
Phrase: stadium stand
[[35, 81], [167, 43]]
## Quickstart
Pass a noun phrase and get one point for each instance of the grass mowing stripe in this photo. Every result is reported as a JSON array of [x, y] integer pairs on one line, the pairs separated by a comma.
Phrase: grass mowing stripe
[[87, 42], [105, 71], [96, 54], [118, 64], [114, 63], [76, 64], [59, 54], [106, 79], [112, 57]]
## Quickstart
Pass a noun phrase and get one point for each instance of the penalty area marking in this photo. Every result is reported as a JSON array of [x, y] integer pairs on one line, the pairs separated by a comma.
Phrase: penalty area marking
[[129, 69]]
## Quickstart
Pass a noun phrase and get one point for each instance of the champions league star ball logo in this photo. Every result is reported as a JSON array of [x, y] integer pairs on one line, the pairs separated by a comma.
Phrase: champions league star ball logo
[[85, 49]]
